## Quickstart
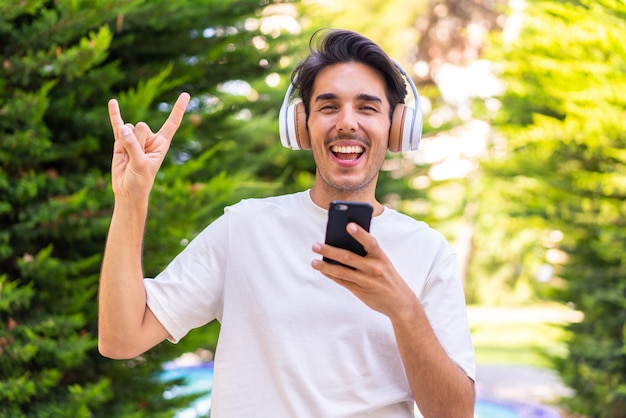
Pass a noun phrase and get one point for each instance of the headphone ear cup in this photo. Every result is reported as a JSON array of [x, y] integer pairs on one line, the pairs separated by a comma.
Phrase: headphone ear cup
[[396, 131], [293, 130], [302, 132]]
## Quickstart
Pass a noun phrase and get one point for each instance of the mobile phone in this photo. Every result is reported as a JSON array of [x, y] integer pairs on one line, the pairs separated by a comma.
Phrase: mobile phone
[[340, 213]]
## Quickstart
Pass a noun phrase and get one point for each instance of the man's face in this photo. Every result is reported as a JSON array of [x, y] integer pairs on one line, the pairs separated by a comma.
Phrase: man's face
[[349, 128]]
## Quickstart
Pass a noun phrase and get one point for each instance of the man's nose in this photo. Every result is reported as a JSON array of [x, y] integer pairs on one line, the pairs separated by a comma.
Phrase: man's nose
[[347, 121]]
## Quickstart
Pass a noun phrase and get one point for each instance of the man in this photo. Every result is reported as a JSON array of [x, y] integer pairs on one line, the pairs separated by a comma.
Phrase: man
[[300, 337]]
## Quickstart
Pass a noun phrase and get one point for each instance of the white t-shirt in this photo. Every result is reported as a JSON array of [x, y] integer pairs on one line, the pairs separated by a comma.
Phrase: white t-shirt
[[293, 343]]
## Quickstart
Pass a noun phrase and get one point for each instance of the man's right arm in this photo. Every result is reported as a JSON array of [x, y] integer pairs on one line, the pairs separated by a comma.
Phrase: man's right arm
[[126, 326]]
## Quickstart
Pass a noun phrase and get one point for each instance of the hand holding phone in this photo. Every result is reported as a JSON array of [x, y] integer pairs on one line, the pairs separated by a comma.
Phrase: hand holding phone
[[340, 213]]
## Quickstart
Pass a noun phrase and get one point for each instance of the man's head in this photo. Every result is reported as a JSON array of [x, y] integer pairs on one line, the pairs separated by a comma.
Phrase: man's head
[[351, 112], [342, 46]]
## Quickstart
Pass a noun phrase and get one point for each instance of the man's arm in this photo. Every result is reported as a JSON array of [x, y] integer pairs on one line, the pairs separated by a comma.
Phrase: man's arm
[[126, 326], [440, 388]]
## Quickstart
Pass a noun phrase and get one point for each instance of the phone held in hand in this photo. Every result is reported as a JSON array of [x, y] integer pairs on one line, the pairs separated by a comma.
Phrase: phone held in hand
[[340, 213]]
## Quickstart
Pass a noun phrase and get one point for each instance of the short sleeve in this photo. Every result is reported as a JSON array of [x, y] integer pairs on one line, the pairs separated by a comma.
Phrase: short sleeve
[[443, 299], [188, 293]]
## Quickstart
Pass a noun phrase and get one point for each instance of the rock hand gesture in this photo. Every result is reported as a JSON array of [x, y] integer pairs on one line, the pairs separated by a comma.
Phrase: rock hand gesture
[[138, 152]]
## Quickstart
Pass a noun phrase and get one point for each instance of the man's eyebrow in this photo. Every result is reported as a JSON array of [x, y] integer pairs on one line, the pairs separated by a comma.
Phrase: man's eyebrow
[[363, 97], [369, 98], [325, 96]]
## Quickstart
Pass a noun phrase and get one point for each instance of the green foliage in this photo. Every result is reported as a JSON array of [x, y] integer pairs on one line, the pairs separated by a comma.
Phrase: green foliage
[[61, 62], [395, 21], [562, 181]]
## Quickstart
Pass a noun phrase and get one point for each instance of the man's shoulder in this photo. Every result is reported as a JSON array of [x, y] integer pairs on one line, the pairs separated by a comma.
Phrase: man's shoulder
[[409, 226], [402, 220], [261, 204]]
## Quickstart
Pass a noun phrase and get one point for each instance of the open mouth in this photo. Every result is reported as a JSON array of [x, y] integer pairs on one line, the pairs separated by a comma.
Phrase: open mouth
[[347, 153]]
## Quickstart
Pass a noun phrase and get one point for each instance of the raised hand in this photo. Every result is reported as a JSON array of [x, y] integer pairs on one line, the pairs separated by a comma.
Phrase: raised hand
[[138, 152]]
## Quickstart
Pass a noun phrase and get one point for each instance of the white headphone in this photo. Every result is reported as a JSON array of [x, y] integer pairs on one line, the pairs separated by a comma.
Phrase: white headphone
[[404, 134]]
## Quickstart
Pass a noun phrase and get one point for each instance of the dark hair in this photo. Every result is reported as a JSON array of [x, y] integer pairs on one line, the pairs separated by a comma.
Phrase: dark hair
[[340, 46]]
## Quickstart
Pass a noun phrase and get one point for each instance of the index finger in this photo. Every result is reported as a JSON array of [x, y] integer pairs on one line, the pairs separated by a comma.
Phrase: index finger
[[173, 121], [365, 238], [115, 116]]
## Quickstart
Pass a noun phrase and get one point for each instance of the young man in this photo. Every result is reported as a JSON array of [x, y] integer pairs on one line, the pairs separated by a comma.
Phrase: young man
[[300, 337]]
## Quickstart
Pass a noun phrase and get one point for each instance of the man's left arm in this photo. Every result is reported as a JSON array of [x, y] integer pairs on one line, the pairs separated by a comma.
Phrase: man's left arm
[[439, 386]]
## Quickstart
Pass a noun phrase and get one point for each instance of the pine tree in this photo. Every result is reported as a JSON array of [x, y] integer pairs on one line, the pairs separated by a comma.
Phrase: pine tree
[[562, 182], [61, 62]]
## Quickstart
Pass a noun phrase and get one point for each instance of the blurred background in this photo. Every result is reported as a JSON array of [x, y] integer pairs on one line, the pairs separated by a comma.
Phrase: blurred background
[[522, 167]]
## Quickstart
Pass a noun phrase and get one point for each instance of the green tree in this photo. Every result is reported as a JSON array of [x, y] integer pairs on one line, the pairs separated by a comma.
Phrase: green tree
[[61, 62], [561, 182]]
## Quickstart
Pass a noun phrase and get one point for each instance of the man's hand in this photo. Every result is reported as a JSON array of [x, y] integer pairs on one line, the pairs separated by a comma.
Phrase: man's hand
[[375, 280], [138, 152]]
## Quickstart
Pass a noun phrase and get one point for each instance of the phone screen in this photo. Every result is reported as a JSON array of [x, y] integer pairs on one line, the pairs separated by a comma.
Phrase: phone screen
[[340, 213]]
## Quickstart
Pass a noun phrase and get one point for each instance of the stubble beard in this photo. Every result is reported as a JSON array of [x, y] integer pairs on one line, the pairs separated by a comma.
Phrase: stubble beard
[[341, 187]]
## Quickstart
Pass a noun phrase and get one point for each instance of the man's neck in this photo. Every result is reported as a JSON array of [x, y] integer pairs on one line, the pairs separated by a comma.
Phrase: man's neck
[[323, 198]]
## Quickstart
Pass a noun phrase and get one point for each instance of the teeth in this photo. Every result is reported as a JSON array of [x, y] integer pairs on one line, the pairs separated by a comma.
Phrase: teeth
[[353, 149]]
